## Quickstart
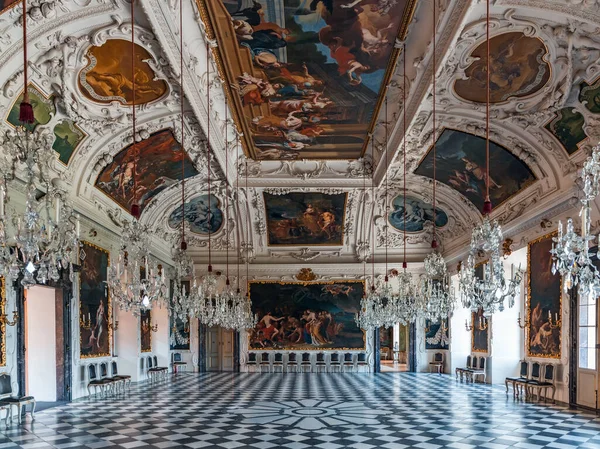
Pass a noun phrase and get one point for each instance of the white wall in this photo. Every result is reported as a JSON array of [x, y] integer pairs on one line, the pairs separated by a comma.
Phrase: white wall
[[460, 342], [160, 338], [40, 342]]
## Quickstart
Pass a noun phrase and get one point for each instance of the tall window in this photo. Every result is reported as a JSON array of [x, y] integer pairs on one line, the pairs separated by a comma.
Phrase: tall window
[[587, 332]]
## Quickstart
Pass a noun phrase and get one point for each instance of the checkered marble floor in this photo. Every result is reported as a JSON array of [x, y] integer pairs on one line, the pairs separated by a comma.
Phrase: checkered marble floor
[[297, 411]]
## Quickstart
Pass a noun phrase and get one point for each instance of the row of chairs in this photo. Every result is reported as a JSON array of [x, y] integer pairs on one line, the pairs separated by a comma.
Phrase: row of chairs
[[533, 377], [475, 368], [8, 400], [289, 362], [152, 370], [101, 380]]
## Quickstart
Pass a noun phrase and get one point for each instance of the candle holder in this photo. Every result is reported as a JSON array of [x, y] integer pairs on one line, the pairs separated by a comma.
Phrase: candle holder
[[467, 327], [523, 324], [556, 323], [483, 323], [4, 318], [85, 324]]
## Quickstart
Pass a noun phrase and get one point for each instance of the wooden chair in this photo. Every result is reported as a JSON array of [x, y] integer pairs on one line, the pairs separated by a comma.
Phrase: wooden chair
[[162, 371], [461, 371], [533, 376], [7, 399], [361, 360], [292, 362], [384, 352], [124, 379], [438, 362], [177, 362], [95, 381], [547, 381], [265, 360], [478, 371], [252, 361], [515, 381], [278, 361], [348, 361], [321, 362], [111, 382], [334, 361], [306, 361]]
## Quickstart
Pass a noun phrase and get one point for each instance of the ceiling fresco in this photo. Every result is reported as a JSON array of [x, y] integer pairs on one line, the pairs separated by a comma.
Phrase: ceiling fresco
[[43, 109], [417, 212], [201, 217], [305, 218], [158, 167], [4, 4], [307, 75], [518, 68], [590, 96], [68, 137], [107, 77], [461, 165], [567, 127]]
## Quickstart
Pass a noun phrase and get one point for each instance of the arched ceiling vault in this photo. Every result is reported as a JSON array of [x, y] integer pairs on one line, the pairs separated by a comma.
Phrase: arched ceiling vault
[[544, 122]]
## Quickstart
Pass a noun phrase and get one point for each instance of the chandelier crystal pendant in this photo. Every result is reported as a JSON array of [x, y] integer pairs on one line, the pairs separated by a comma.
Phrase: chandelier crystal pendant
[[570, 250]]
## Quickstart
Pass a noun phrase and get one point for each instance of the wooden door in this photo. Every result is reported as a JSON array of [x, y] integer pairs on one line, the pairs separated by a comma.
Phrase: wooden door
[[226, 350], [212, 349]]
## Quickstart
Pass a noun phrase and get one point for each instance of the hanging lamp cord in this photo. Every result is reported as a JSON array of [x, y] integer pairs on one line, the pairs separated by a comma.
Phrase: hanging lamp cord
[[135, 207], [487, 205], [434, 243], [372, 217], [208, 150], [386, 185], [404, 264], [26, 115], [183, 242], [227, 195], [237, 197]]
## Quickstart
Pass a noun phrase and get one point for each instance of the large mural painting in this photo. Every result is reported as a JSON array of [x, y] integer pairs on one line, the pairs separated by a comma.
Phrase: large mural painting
[[461, 166], [307, 75], [201, 215], [158, 166], [300, 315], [544, 308], [518, 68], [94, 305], [480, 332], [107, 77], [305, 218], [417, 212]]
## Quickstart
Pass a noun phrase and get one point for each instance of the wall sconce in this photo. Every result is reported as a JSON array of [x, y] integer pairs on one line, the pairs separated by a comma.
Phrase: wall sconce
[[85, 324], [467, 327], [114, 326], [483, 323], [524, 324], [4, 318], [556, 323], [154, 328]]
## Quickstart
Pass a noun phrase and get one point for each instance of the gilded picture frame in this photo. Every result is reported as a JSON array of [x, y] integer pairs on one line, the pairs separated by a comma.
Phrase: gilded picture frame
[[544, 295], [146, 331], [292, 311], [480, 338], [3, 323], [92, 290]]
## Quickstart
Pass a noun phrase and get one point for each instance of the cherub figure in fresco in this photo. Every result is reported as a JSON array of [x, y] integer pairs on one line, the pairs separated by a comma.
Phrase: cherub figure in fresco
[[462, 180], [373, 44], [478, 172]]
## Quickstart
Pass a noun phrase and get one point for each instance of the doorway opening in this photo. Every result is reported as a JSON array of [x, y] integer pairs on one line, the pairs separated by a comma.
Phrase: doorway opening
[[45, 345], [220, 349], [394, 348]]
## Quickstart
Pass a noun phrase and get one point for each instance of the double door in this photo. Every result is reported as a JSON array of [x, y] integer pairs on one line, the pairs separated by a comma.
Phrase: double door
[[219, 349]]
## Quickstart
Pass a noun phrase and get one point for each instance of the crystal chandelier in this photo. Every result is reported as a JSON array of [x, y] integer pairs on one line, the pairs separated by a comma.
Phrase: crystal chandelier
[[437, 289], [570, 251], [182, 297], [135, 281], [410, 303], [492, 291]]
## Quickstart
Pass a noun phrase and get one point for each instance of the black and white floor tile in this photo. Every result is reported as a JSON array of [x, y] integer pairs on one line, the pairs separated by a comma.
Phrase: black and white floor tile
[[297, 411]]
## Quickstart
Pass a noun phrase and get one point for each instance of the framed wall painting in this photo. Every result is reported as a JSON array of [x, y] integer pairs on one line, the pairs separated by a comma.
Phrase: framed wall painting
[[94, 302], [306, 315], [436, 335], [146, 331], [386, 337], [544, 301], [480, 340]]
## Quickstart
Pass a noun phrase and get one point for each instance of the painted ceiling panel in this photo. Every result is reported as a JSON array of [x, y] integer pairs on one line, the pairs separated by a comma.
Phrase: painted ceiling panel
[[461, 165], [307, 76], [518, 68], [158, 167]]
